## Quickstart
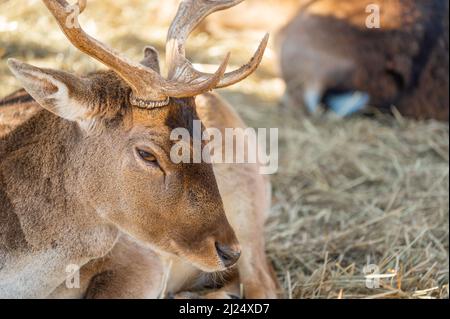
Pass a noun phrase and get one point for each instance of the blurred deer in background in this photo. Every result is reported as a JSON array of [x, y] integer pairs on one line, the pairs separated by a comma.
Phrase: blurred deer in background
[[330, 57], [86, 178]]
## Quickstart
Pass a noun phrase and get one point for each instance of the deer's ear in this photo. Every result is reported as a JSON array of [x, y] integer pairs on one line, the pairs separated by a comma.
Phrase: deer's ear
[[59, 92], [151, 59]]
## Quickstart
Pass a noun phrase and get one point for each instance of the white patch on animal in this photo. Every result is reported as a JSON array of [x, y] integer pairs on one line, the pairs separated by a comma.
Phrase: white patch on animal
[[65, 107]]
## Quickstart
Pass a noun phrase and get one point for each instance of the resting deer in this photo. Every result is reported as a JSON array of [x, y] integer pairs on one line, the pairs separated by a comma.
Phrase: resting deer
[[87, 178], [379, 52]]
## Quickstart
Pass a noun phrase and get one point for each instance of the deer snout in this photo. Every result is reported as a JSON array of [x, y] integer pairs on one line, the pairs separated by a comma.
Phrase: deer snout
[[229, 254]]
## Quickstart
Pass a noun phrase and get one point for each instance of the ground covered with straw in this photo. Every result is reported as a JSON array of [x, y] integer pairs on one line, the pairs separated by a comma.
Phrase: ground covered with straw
[[351, 198]]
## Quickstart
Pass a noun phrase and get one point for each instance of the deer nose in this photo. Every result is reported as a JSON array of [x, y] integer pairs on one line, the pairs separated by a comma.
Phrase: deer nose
[[229, 255]]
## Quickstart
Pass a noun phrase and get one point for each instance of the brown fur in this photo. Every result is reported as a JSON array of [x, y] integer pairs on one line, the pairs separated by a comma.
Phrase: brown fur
[[65, 199], [72, 191], [403, 64], [131, 270]]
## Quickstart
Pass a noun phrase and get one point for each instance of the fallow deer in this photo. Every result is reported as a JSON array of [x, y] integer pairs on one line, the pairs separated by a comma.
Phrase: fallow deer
[[86, 178], [336, 54]]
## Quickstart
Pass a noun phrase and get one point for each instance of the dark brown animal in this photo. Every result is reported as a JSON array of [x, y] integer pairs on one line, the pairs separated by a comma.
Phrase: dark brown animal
[[328, 53]]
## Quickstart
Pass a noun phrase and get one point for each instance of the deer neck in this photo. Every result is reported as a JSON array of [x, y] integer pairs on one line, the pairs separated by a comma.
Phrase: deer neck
[[39, 176]]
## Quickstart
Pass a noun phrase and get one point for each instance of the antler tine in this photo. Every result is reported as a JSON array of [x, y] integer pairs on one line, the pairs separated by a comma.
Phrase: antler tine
[[190, 14], [244, 71], [82, 5]]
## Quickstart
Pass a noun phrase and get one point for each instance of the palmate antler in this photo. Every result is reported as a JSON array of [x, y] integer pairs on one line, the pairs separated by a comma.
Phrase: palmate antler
[[147, 85]]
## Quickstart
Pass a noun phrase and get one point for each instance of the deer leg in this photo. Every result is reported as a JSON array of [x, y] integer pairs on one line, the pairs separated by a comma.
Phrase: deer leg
[[246, 210], [256, 274], [253, 278], [129, 271], [230, 290], [126, 283]]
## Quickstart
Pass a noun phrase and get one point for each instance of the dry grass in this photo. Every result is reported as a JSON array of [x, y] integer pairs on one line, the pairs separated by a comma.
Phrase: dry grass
[[347, 194], [362, 192]]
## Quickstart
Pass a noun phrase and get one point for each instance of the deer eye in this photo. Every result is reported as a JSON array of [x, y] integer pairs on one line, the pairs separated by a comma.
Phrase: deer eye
[[147, 157]]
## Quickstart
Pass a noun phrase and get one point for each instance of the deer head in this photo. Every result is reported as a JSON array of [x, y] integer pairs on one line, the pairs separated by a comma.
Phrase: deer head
[[121, 122]]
